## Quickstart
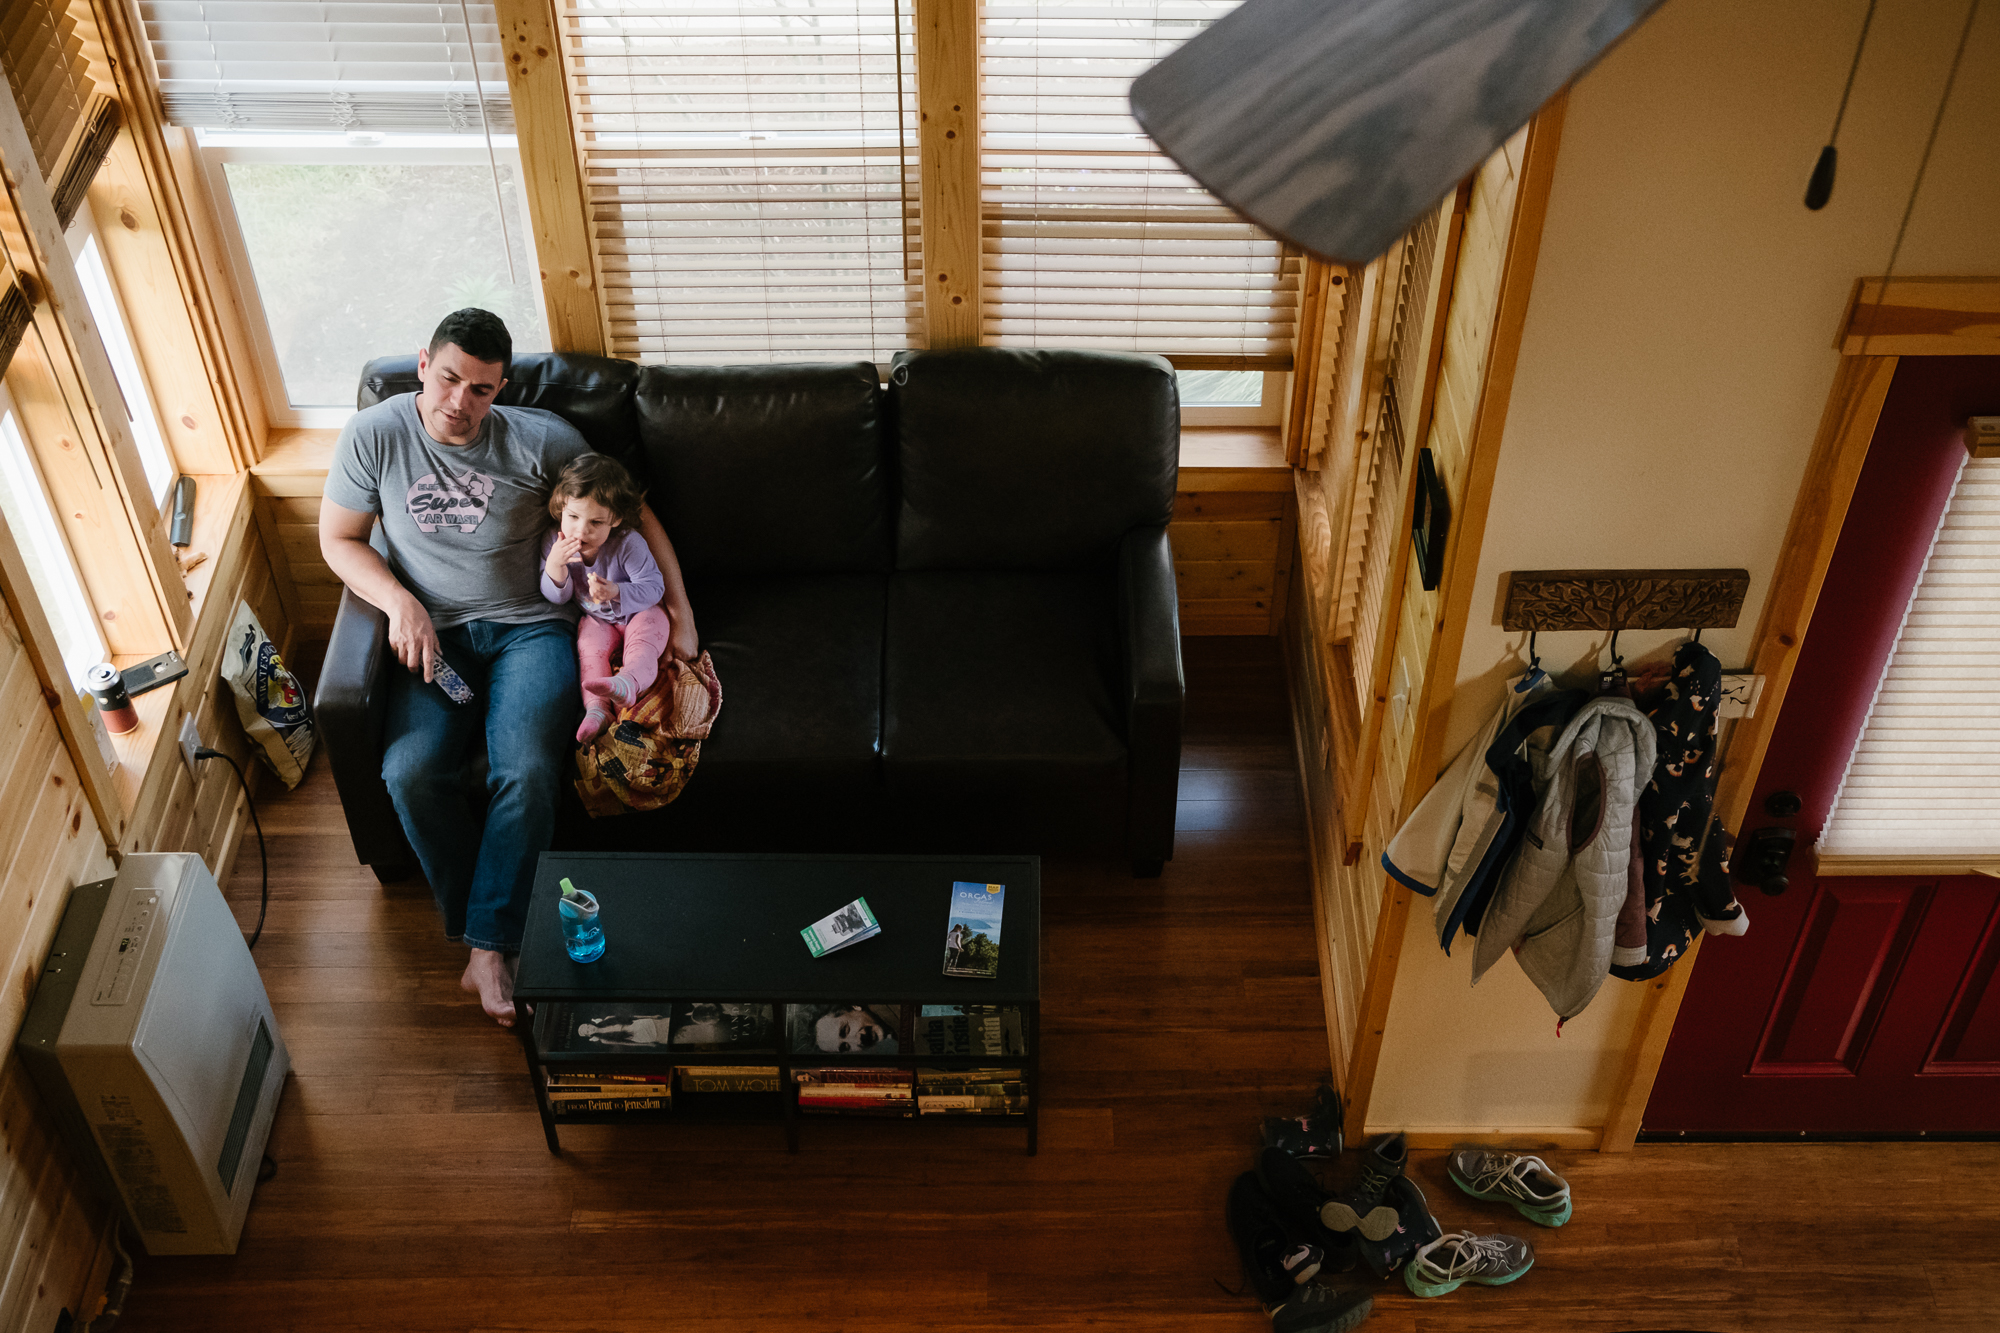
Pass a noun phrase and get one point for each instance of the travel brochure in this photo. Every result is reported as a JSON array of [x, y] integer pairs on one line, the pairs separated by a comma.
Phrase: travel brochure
[[972, 934], [850, 925]]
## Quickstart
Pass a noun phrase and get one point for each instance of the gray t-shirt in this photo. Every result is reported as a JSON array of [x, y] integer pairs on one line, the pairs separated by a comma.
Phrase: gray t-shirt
[[463, 522]]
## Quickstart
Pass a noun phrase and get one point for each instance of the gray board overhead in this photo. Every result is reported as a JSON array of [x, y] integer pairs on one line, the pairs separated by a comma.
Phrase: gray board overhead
[[1333, 124]]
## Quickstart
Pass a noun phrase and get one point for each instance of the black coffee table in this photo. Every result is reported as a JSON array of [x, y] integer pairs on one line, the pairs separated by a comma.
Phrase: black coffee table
[[724, 928]]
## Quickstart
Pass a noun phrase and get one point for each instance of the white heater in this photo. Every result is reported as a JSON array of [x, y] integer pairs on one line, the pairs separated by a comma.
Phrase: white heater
[[152, 1040]]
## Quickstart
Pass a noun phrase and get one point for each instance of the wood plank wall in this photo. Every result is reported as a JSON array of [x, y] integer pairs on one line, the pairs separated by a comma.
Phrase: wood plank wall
[[1351, 895], [52, 1227]]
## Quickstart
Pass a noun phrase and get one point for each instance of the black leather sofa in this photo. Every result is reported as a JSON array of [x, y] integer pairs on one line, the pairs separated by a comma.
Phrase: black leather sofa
[[944, 615]]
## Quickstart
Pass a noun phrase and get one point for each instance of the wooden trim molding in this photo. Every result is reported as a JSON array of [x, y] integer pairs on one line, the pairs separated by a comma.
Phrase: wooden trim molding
[[74, 723], [1615, 599], [1922, 317], [1517, 279], [187, 327], [105, 503], [1846, 427], [558, 206], [948, 168]]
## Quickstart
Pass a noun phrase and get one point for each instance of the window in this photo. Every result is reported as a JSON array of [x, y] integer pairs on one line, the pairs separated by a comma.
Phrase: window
[[356, 246], [1092, 236], [114, 328], [1922, 780], [346, 149], [51, 566], [751, 167]]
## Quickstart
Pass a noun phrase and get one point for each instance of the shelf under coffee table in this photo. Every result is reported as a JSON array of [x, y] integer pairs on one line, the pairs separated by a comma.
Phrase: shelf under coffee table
[[724, 928]]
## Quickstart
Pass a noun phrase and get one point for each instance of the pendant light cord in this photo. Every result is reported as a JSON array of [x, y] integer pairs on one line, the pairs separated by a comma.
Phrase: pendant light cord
[[1923, 164], [1852, 70], [492, 162]]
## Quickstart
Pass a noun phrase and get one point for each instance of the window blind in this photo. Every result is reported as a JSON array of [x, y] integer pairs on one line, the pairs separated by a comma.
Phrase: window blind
[[43, 54], [1924, 779], [1375, 528], [1092, 237], [384, 65], [751, 171]]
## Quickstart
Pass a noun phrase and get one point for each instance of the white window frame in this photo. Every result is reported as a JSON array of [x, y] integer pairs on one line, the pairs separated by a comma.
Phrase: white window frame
[[219, 148]]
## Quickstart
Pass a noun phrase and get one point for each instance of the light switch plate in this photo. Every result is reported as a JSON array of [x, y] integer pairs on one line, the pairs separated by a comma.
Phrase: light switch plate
[[1740, 692]]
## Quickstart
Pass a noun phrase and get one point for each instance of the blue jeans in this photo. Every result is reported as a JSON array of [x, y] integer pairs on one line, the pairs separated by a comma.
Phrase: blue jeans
[[524, 683]]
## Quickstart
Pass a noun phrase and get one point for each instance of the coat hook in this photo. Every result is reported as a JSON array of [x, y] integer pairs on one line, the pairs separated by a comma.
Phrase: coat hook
[[1617, 662], [1697, 634]]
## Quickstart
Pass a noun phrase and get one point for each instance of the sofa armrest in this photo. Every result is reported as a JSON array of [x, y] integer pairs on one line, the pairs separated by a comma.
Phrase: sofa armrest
[[350, 706], [1149, 625]]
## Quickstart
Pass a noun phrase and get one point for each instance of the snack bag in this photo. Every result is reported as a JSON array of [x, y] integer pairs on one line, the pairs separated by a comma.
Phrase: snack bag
[[269, 702]]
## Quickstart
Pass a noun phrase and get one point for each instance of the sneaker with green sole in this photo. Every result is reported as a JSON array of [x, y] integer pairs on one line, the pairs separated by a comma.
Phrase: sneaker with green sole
[[1459, 1257], [1537, 1193]]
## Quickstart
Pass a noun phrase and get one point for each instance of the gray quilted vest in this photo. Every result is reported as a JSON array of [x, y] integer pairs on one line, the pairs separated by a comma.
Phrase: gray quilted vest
[[1559, 900]]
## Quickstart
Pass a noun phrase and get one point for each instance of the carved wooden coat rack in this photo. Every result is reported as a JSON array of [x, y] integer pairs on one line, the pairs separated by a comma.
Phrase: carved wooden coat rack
[[1618, 599]]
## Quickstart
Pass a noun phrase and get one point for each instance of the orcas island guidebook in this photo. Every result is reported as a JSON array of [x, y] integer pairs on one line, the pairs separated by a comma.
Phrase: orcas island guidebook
[[972, 936]]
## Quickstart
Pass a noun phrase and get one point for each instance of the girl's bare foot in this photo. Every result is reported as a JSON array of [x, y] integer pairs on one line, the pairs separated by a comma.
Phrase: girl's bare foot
[[487, 974]]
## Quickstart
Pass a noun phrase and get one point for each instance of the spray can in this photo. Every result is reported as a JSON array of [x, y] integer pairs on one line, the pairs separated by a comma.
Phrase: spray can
[[107, 687]]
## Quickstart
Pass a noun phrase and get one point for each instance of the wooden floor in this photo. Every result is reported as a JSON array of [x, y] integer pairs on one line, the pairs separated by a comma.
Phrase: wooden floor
[[414, 1191]]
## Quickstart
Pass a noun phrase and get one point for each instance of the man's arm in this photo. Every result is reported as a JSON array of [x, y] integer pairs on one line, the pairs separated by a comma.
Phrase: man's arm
[[682, 641], [343, 544]]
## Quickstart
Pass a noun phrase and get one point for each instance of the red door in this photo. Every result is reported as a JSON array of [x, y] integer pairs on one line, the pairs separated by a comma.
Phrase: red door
[[1852, 1005]]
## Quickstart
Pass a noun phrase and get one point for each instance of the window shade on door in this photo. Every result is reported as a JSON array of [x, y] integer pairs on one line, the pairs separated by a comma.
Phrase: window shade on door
[[50, 75], [384, 65], [751, 169], [1092, 237], [1924, 779]]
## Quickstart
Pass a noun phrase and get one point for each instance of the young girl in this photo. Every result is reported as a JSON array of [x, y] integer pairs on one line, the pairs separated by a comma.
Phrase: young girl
[[598, 557]]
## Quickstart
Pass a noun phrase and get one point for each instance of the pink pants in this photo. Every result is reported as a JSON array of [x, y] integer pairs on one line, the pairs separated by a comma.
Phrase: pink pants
[[644, 637]]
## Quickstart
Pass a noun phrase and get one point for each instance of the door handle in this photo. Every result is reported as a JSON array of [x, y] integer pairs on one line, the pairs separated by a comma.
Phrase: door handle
[[1766, 860]]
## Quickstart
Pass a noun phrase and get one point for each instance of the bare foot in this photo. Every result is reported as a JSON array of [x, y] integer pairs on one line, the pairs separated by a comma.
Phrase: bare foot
[[488, 974]]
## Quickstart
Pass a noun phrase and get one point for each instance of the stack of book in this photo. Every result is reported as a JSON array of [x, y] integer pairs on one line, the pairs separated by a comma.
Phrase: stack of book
[[727, 1078], [591, 1091], [970, 1092], [866, 1091]]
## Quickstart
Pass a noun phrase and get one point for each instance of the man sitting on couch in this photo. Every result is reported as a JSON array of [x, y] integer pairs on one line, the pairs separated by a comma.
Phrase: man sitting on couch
[[461, 488]]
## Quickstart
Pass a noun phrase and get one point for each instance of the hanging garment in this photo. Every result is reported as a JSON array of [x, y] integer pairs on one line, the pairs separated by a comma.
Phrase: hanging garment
[[1557, 906], [1685, 880], [644, 759], [1463, 834]]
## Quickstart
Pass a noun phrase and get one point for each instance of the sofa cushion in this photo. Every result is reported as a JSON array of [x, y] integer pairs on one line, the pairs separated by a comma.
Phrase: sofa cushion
[[999, 683], [800, 660], [762, 469], [592, 393], [1030, 460]]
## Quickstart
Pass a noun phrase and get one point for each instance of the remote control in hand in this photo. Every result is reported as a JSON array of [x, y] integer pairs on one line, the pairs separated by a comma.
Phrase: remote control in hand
[[450, 682]]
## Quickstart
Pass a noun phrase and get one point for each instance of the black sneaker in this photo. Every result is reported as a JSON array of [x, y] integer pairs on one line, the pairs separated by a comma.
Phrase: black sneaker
[[1314, 1135], [1415, 1228], [1361, 1208], [1276, 1261], [1322, 1310]]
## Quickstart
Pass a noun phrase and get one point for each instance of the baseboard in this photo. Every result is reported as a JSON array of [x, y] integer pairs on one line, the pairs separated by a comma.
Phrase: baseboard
[[1488, 1136]]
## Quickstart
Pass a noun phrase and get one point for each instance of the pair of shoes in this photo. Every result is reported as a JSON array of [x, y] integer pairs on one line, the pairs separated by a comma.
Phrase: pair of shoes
[[1279, 1264], [1364, 1207], [1459, 1257], [1537, 1193], [1381, 1219], [1314, 1135]]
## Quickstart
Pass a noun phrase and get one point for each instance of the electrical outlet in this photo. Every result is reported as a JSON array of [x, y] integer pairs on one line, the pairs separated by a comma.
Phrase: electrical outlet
[[190, 742]]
